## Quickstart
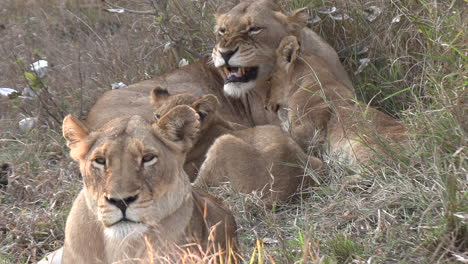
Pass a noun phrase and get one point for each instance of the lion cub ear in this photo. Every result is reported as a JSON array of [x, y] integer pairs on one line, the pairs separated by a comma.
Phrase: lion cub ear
[[180, 125], [287, 52], [206, 105], [297, 20], [159, 94], [74, 131]]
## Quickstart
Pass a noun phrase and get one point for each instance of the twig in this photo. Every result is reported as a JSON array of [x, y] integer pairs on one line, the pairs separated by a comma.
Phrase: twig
[[80, 74], [140, 12]]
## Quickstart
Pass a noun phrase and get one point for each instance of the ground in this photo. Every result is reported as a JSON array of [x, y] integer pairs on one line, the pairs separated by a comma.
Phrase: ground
[[413, 210]]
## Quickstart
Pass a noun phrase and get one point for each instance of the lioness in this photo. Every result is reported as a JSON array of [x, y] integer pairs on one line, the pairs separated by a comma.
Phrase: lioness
[[137, 203], [319, 106], [243, 57], [247, 37], [262, 158]]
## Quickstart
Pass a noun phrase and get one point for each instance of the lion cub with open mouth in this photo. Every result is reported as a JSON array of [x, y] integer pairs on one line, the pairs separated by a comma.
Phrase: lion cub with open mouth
[[137, 204], [262, 158], [314, 105]]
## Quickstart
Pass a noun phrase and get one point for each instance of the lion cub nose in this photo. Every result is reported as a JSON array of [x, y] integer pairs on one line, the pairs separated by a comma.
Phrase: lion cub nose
[[122, 204]]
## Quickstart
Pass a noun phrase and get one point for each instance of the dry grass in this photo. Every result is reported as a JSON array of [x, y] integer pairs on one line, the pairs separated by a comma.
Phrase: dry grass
[[404, 213]]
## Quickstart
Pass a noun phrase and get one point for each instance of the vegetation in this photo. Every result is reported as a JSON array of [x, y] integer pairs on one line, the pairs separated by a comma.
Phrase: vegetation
[[413, 210]]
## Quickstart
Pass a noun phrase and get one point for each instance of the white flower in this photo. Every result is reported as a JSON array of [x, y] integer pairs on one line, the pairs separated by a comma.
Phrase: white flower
[[27, 123], [364, 62], [372, 12], [396, 19], [118, 85], [40, 68], [7, 91], [183, 62], [116, 10]]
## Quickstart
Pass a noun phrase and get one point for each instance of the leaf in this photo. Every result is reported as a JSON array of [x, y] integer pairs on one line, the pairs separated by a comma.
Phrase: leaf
[[396, 93], [30, 76], [13, 95], [159, 19], [20, 62], [7, 91]]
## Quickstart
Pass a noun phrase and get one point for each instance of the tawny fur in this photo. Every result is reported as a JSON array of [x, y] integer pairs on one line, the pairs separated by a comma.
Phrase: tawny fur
[[202, 77], [129, 157], [253, 30], [320, 108], [263, 158]]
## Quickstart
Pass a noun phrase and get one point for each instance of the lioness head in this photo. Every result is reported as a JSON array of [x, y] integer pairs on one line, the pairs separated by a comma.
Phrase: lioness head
[[246, 39], [133, 169], [205, 106]]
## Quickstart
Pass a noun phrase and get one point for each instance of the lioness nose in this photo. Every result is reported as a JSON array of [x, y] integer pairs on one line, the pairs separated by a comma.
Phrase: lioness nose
[[228, 54], [122, 204]]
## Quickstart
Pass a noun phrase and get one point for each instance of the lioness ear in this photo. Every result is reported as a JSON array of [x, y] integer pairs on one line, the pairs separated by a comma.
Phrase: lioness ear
[[297, 20], [287, 51], [206, 105], [180, 125], [74, 131], [158, 94]]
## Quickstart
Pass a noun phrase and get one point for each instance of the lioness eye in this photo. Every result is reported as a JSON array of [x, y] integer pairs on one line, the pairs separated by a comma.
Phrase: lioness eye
[[148, 159], [100, 161], [221, 31], [254, 30]]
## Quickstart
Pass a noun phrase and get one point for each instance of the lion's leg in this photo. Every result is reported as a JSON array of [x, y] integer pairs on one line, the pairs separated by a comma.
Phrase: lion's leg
[[354, 135], [232, 159], [361, 136], [212, 171]]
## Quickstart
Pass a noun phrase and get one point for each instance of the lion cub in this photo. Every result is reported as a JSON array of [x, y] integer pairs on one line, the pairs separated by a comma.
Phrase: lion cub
[[314, 106], [137, 204], [263, 158]]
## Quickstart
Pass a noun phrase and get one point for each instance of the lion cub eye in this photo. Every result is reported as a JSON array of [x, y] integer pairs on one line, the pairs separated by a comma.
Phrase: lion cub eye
[[148, 159], [101, 162]]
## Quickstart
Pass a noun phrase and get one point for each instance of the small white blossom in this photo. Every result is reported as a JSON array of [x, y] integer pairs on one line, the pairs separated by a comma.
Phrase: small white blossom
[[183, 62], [363, 64], [7, 91], [372, 12], [118, 85], [396, 19], [40, 68], [116, 10], [27, 123]]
